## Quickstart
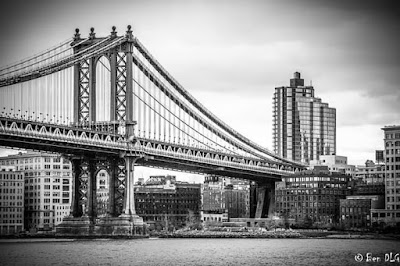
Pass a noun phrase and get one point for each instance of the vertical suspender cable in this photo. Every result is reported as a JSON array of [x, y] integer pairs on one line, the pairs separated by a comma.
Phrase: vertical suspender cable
[[140, 127], [144, 118], [156, 111], [169, 119], [179, 124], [150, 108], [144, 106], [152, 105], [190, 129], [164, 124], [175, 123], [159, 112]]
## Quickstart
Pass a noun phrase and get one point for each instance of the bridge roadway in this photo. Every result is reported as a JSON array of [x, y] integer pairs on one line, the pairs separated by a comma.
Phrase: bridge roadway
[[91, 143]]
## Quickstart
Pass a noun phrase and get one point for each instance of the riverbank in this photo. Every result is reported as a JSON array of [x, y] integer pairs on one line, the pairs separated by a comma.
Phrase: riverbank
[[274, 234], [229, 234], [317, 234]]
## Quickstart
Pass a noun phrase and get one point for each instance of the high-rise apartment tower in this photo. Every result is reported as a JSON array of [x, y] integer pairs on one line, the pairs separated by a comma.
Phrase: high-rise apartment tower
[[392, 178], [304, 127]]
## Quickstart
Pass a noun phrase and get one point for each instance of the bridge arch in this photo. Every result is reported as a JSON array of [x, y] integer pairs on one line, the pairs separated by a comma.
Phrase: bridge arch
[[103, 88], [103, 184]]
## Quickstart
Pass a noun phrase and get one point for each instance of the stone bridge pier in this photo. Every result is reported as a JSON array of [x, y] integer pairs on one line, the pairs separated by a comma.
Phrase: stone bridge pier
[[102, 199], [262, 199]]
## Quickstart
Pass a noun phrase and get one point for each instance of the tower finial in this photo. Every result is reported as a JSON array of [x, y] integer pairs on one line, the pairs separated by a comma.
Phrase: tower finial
[[92, 35], [77, 35], [114, 33], [129, 34]]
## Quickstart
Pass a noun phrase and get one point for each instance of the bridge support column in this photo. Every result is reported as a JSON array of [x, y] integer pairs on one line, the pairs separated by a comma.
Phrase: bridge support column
[[129, 200], [262, 197], [79, 222], [128, 223], [121, 219]]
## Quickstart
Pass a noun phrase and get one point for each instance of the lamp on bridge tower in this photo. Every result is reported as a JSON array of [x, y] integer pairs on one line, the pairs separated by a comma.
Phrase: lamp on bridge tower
[[114, 33], [92, 35], [77, 35], [129, 34]]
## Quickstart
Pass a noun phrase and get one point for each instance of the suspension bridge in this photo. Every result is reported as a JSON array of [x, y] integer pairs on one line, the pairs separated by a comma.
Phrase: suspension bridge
[[107, 104]]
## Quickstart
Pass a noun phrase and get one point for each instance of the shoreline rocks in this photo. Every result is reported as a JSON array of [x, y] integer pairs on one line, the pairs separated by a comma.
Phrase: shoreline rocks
[[227, 234]]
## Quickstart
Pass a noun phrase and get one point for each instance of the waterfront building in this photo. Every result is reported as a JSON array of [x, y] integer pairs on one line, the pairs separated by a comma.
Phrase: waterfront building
[[370, 173], [226, 195], [380, 156], [213, 194], [11, 201], [390, 216], [311, 196], [213, 217], [369, 189], [47, 188], [355, 211], [165, 203], [335, 163], [304, 127]]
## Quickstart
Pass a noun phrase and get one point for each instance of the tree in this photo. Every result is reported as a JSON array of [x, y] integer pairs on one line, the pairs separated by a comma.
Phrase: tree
[[193, 221]]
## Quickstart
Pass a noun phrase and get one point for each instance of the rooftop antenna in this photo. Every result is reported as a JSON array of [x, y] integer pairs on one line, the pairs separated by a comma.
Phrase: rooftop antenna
[[310, 82]]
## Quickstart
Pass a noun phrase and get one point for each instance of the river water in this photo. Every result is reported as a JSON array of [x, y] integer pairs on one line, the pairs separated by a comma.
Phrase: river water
[[198, 252]]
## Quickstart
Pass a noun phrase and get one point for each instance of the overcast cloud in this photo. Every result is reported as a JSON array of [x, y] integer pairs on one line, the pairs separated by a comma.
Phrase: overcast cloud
[[237, 52]]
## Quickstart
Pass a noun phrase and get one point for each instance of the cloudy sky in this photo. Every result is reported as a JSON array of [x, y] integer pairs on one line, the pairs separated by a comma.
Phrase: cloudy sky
[[232, 54]]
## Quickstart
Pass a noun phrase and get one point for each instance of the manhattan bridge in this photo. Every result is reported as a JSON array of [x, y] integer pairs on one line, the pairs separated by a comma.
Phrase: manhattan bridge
[[107, 104]]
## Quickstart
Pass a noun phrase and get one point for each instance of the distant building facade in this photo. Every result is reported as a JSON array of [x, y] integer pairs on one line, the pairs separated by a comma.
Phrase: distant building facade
[[214, 217], [380, 156], [391, 214], [312, 196], [11, 201], [304, 127], [370, 173], [355, 211], [226, 195], [47, 188], [369, 189], [335, 163], [165, 203]]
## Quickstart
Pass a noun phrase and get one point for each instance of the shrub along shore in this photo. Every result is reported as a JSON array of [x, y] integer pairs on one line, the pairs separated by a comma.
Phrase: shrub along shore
[[228, 234], [272, 234]]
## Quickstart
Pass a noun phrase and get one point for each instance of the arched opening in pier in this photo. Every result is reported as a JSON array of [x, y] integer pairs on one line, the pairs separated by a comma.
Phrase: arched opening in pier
[[102, 193]]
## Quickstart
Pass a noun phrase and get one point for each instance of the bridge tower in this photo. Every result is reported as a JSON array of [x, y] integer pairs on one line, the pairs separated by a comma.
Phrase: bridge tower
[[120, 216], [120, 59]]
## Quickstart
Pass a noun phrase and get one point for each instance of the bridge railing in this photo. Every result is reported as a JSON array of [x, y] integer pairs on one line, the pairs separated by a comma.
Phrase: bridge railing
[[116, 142], [113, 127], [76, 135], [219, 162]]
